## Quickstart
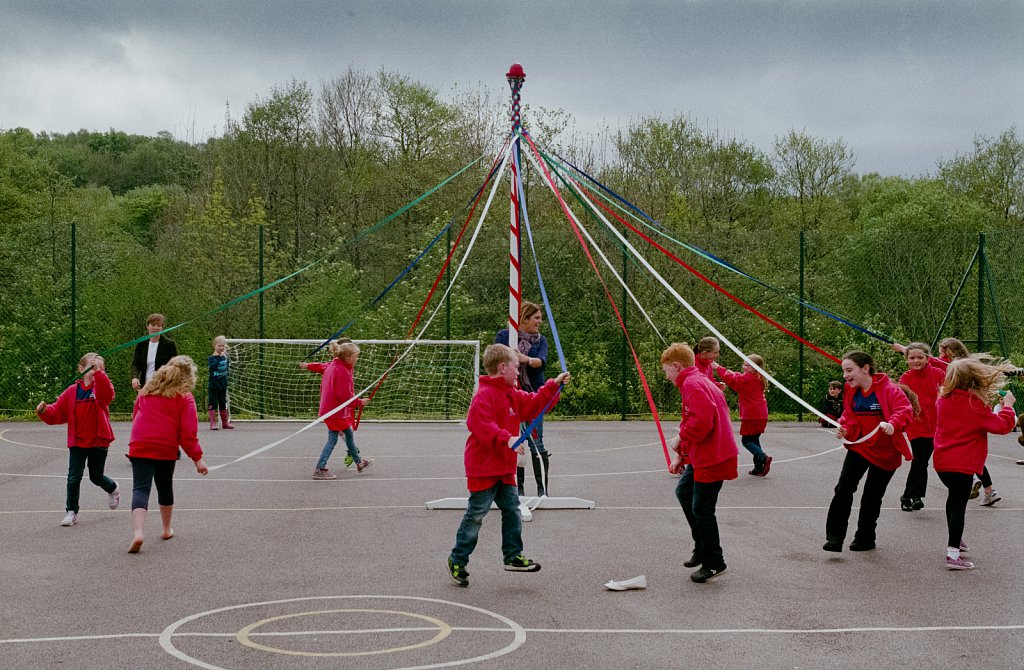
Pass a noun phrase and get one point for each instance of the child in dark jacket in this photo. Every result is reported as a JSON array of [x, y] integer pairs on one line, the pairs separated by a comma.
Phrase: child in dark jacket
[[85, 408], [832, 404], [494, 420]]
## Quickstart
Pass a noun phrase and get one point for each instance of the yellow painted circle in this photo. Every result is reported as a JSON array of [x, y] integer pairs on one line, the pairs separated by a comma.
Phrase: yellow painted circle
[[444, 630]]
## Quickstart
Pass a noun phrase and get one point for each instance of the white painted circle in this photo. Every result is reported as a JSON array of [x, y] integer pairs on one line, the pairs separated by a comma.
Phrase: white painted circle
[[519, 634]]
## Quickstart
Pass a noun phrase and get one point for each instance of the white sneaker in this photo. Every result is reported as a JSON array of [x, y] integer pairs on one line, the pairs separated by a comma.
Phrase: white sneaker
[[991, 499], [114, 498], [70, 520]]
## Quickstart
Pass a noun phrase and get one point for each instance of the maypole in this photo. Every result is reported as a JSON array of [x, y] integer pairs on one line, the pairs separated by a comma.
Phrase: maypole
[[515, 77]]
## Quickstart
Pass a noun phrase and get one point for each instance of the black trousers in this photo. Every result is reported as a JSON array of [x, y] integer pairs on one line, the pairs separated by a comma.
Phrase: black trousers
[[78, 457], [959, 486], [146, 471], [917, 479], [854, 468], [216, 398], [698, 501]]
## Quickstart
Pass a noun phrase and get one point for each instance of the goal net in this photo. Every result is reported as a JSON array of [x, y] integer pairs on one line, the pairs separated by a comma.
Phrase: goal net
[[435, 381]]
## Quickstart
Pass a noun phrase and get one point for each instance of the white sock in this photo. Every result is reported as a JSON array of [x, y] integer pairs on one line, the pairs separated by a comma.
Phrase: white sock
[[953, 552]]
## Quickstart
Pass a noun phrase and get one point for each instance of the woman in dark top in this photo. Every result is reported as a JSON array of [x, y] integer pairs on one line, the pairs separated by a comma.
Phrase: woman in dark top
[[151, 354]]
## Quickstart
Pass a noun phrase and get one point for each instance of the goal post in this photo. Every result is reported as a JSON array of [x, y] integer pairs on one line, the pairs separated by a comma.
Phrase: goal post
[[434, 381]]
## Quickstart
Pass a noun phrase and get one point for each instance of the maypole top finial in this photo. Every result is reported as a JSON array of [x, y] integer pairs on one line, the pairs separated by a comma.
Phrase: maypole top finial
[[515, 72]]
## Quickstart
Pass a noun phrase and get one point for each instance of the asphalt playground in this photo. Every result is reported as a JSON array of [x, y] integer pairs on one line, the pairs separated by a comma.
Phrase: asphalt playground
[[270, 569]]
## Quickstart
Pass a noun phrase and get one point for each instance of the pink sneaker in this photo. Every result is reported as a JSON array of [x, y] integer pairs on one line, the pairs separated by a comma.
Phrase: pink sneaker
[[363, 464], [960, 563]]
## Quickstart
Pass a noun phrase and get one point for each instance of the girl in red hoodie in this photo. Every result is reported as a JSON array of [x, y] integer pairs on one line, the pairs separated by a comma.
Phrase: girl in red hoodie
[[85, 407], [705, 456], [875, 414], [164, 420], [924, 380], [749, 386], [336, 389], [962, 423]]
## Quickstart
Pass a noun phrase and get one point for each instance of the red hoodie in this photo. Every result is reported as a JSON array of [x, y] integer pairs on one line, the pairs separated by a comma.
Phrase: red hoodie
[[881, 450], [749, 388], [494, 416], [338, 385], [705, 432], [962, 423], [160, 425], [705, 367], [925, 383], [88, 420]]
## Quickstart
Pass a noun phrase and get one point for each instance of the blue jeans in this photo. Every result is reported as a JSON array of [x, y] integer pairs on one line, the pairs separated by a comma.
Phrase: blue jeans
[[698, 501], [536, 443], [96, 457], [332, 439], [752, 443], [507, 499]]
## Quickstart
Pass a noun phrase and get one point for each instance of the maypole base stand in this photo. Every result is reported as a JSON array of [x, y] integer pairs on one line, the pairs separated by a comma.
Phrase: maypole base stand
[[526, 504]]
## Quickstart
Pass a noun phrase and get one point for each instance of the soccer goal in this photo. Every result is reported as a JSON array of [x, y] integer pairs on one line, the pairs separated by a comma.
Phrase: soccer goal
[[434, 381]]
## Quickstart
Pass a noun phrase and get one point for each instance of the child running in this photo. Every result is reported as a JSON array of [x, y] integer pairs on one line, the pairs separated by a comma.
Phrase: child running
[[963, 421], [163, 420], [337, 388], [832, 404], [85, 408], [749, 386], [706, 455], [217, 386], [875, 414], [952, 349], [495, 413], [924, 380]]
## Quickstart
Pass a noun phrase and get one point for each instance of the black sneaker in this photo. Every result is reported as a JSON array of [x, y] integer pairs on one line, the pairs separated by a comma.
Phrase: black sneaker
[[906, 505], [917, 503], [833, 545], [521, 564], [458, 573], [860, 545], [693, 562], [706, 574]]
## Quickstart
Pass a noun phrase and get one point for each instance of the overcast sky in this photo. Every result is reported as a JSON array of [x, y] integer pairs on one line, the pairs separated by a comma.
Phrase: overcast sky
[[903, 82]]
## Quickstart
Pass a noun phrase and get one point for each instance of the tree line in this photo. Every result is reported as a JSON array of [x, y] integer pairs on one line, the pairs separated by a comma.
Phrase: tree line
[[166, 225]]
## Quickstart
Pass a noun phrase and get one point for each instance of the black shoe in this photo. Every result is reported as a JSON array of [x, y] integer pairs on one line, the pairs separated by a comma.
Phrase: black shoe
[[917, 503], [707, 574], [833, 545], [693, 562], [458, 573], [858, 545], [521, 564], [906, 505]]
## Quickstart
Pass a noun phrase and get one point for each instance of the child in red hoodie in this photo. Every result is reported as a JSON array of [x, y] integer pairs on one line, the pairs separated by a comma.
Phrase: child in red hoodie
[[963, 419], [336, 389], [163, 420], [749, 386], [495, 413], [85, 407], [706, 455], [924, 380], [875, 414]]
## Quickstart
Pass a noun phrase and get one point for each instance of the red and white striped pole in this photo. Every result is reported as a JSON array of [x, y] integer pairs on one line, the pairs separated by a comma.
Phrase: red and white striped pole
[[516, 77]]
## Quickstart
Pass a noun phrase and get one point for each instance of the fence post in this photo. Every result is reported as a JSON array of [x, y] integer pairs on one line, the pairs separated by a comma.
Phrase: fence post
[[623, 399], [74, 292], [262, 333], [800, 382], [981, 292]]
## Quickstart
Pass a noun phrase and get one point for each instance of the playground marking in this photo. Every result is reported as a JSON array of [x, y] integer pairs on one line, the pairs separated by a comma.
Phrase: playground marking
[[519, 633]]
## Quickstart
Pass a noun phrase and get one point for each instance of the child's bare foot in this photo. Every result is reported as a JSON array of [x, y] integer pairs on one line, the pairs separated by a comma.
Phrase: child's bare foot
[[168, 534], [136, 544]]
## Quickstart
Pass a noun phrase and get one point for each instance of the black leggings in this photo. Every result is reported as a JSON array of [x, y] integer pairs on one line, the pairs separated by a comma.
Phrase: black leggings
[[917, 478], [216, 398], [985, 477], [145, 471], [959, 486]]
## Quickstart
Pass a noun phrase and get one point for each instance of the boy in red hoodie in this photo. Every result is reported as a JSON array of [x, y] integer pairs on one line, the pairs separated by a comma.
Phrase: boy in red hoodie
[[493, 422], [707, 450], [963, 419], [85, 407]]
